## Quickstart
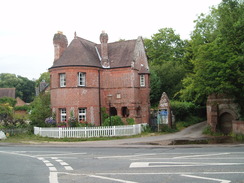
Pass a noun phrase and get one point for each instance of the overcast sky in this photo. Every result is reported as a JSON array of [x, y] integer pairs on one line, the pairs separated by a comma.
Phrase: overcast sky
[[27, 26]]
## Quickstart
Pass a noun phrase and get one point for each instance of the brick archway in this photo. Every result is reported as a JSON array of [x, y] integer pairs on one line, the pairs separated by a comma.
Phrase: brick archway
[[225, 123]]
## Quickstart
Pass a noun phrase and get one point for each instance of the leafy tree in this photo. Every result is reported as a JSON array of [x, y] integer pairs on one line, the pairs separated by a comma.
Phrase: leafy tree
[[218, 53], [44, 77], [166, 52], [164, 46], [25, 88], [155, 84], [40, 110]]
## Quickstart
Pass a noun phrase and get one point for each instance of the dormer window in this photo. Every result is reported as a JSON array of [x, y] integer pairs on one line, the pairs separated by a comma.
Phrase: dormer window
[[62, 80], [142, 80], [81, 79]]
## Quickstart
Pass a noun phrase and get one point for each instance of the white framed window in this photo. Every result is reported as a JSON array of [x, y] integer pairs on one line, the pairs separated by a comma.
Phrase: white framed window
[[62, 78], [142, 80], [62, 114], [82, 114], [81, 79]]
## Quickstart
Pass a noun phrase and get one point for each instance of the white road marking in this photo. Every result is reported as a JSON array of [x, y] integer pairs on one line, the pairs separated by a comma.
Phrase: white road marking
[[63, 163], [53, 169], [53, 177], [171, 173], [224, 158], [112, 179], [68, 168], [176, 164], [201, 155], [207, 178], [139, 165], [49, 164], [58, 160]]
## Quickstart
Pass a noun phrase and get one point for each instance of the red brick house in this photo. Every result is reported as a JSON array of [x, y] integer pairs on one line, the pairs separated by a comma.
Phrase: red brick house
[[86, 76]]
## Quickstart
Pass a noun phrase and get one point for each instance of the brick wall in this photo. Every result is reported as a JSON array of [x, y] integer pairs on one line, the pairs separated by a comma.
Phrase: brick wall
[[121, 83], [238, 127]]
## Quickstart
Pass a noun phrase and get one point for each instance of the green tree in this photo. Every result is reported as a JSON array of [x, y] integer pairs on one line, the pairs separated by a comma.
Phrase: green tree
[[164, 46], [218, 53], [25, 88], [165, 52], [40, 110], [44, 77]]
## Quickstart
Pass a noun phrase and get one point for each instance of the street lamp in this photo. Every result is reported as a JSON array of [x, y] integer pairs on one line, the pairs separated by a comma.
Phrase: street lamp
[[109, 104]]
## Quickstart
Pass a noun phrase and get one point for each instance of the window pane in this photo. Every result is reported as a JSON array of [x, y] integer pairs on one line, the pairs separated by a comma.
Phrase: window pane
[[62, 80], [81, 79], [142, 80], [82, 114], [63, 114]]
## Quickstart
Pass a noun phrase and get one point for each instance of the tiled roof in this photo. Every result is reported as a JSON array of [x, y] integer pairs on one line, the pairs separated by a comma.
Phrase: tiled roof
[[120, 53], [82, 52], [7, 92]]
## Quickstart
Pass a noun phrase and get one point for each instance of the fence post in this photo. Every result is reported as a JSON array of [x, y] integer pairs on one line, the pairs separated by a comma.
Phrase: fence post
[[114, 130], [40, 131], [59, 132]]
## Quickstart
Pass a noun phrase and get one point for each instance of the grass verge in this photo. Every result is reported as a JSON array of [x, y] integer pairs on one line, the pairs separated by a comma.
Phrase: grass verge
[[31, 138]]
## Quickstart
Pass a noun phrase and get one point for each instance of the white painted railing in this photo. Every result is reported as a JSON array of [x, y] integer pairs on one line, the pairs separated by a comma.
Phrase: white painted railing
[[87, 132]]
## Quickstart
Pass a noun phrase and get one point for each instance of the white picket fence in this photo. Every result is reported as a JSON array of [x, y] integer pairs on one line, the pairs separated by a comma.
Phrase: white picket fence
[[87, 132]]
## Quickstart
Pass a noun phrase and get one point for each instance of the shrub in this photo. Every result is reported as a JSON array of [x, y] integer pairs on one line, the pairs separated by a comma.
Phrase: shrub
[[167, 129], [191, 120], [130, 121], [208, 131], [50, 122], [115, 121], [9, 100], [104, 114], [22, 108], [146, 129], [188, 112]]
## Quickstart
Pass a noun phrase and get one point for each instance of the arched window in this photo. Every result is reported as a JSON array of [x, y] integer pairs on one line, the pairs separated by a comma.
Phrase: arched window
[[113, 111], [125, 112]]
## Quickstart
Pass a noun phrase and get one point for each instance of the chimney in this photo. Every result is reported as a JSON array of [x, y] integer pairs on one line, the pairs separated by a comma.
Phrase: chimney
[[60, 43], [104, 49]]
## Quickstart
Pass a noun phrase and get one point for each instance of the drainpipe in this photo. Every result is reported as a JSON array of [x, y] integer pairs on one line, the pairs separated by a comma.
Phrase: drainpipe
[[99, 96]]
